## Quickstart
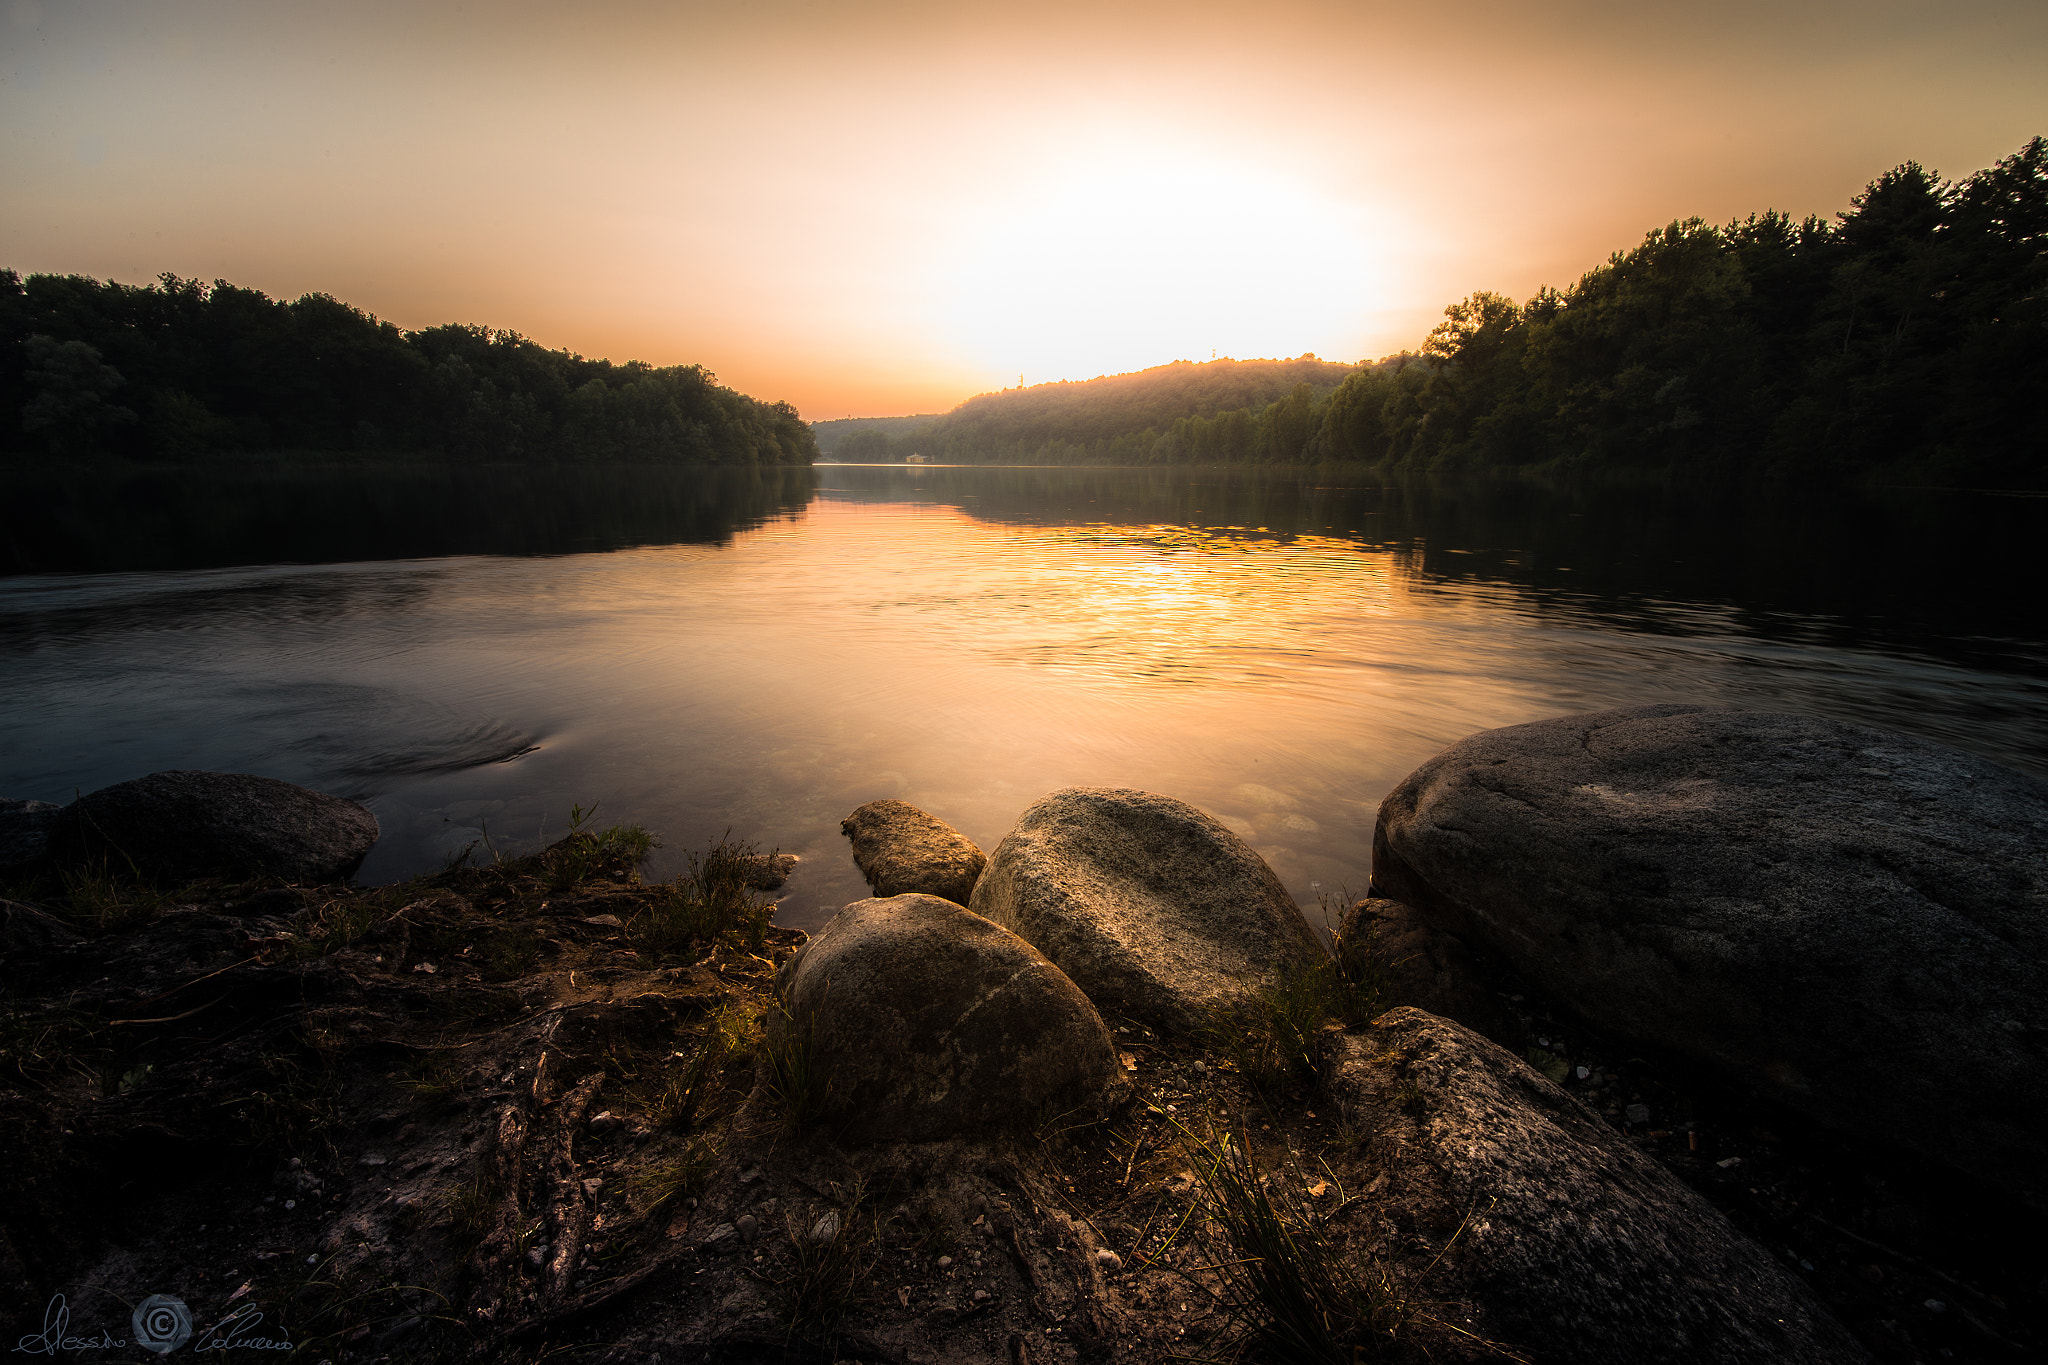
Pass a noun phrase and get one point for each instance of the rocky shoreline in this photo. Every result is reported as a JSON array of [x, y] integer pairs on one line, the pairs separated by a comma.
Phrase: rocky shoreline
[[1668, 1033]]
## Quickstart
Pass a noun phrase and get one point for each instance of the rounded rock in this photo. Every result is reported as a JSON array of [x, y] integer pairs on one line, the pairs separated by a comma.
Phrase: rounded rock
[[902, 851], [925, 1021], [188, 824], [1154, 908], [1842, 919]]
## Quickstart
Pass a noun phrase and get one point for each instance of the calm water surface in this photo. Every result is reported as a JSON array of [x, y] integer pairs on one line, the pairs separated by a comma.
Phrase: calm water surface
[[471, 652]]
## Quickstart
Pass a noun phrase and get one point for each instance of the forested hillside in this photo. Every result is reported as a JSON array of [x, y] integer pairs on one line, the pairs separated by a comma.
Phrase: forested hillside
[[863, 440], [180, 370], [1911, 334], [1117, 419], [1907, 336]]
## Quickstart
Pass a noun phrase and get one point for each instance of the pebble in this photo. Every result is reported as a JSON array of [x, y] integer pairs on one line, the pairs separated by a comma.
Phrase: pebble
[[945, 1262], [980, 1295], [371, 1160], [1109, 1260], [606, 1122], [747, 1227], [825, 1229], [1936, 1306], [1728, 1163], [1637, 1113]]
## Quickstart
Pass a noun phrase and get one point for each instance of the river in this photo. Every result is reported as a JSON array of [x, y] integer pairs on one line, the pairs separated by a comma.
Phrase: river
[[474, 651]]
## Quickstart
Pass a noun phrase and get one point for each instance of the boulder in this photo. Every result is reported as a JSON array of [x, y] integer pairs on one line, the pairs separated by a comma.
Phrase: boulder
[[1155, 909], [926, 1021], [1851, 923], [1416, 963], [24, 833], [1509, 1196], [183, 825], [901, 850]]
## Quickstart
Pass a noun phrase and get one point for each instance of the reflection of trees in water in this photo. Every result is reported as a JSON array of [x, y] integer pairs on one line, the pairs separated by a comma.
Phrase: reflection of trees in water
[[1900, 569], [100, 522]]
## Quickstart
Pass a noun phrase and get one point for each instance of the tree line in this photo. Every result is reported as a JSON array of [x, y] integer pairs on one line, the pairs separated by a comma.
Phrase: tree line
[[1116, 419], [1907, 336], [180, 370]]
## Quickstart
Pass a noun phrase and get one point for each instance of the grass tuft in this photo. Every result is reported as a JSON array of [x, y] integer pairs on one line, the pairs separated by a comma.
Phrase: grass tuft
[[822, 1277], [795, 1080], [709, 903], [1296, 1295]]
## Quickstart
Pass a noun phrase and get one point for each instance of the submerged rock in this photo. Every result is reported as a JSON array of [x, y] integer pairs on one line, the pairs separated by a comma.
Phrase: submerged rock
[[187, 824], [1568, 1242], [922, 1020], [901, 850], [1850, 922], [1154, 908]]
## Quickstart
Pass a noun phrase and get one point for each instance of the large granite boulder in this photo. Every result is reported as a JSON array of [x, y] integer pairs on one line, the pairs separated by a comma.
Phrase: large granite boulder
[[901, 850], [1155, 909], [1852, 923], [182, 825], [1508, 1196], [1415, 963], [925, 1021], [24, 833]]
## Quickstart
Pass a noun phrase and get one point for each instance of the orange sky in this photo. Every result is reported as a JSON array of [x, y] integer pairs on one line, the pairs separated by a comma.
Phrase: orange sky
[[880, 208]]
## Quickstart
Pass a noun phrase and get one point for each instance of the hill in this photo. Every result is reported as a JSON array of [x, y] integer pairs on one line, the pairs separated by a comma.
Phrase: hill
[[180, 370], [1118, 419]]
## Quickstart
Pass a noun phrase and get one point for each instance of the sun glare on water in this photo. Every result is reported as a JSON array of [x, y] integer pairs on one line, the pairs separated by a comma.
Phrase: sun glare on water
[[1115, 267]]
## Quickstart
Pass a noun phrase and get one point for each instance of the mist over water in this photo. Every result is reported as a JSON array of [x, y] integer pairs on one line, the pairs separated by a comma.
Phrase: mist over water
[[473, 651]]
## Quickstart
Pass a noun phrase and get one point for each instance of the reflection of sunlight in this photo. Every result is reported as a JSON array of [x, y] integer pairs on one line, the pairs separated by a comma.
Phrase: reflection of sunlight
[[1169, 604], [1132, 263]]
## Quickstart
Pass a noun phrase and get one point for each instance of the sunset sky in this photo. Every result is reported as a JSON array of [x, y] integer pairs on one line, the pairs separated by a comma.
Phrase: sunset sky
[[870, 209]]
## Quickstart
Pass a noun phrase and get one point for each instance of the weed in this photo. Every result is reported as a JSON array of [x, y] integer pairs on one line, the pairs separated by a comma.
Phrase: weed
[[710, 903], [40, 1045], [508, 954], [682, 1097], [828, 1260], [1271, 1034], [660, 1183], [1296, 1294], [612, 854], [794, 1077], [430, 1080], [106, 896], [473, 1209], [300, 1104]]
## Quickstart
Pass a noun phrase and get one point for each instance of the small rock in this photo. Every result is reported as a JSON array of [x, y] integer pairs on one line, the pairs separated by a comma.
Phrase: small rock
[[605, 921], [1106, 1259], [750, 1175], [427, 967], [1729, 1163], [606, 1122], [371, 1159], [825, 1229], [1583, 1072], [536, 1258], [748, 1227], [980, 1295], [1935, 1306], [945, 1262], [902, 850], [1637, 1113], [720, 1240]]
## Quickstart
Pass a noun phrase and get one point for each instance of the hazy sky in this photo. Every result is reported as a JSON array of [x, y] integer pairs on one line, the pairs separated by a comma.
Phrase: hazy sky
[[883, 208]]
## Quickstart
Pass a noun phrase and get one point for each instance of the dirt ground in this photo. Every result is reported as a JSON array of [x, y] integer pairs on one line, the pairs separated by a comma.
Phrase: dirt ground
[[521, 1112]]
